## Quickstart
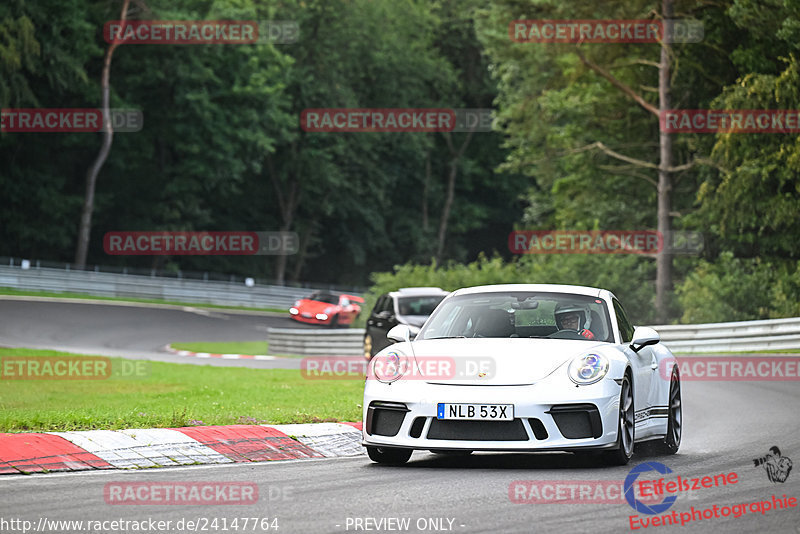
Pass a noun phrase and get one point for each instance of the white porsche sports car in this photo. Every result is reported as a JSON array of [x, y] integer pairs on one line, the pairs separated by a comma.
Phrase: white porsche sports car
[[523, 367]]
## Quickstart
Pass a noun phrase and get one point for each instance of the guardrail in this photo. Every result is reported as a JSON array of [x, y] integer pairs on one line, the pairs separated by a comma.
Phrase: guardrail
[[743, 336], [740, 336], [309, 342], [150, 287]]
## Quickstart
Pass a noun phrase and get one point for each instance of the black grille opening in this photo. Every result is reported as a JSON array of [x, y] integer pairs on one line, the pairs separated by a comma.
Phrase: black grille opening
[[576, 421], [416, 427], [538, 428], [385, 418], [478, 430]]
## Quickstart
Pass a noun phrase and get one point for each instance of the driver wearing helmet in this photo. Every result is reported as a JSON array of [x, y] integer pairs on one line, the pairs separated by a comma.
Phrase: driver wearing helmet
[[573, 317]]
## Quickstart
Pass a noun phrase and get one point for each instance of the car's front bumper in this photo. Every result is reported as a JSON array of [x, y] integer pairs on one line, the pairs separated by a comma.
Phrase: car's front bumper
[[309, 320], [550, 415]]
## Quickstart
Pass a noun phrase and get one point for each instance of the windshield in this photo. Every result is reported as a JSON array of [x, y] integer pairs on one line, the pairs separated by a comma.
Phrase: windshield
[[324, 297], [521, 315], [418, 305]]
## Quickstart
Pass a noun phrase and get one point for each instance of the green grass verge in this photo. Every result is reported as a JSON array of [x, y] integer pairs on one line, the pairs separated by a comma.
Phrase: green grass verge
[[172, 395], [224, 347], [17, 292]]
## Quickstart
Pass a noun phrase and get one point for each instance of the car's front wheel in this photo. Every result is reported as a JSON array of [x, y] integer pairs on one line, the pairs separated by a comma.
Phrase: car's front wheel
[[672, 441], [626, 427], [389, 455]]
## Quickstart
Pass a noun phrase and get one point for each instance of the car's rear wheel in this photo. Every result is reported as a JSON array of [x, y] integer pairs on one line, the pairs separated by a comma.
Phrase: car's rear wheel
[[626, 427], [389, 455], [368, 346], [672, 441]]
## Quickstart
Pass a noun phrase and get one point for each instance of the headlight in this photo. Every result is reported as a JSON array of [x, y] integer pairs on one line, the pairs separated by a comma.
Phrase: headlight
[[321, 317], [293, 311], [389, 367], [588, 369]]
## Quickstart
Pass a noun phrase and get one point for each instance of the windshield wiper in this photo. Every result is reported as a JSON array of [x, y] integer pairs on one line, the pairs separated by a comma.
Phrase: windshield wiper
[[448, 337]]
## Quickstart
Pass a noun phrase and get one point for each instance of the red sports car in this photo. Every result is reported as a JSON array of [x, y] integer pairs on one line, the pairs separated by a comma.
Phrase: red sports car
[[327, 309]]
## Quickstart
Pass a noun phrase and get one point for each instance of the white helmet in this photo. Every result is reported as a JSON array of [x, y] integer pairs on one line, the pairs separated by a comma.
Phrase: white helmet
[[584, 315]]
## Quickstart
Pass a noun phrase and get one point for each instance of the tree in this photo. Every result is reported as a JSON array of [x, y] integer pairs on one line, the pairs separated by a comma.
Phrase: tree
[[570, 110], [752, 202], [85, 228], [44, 62]]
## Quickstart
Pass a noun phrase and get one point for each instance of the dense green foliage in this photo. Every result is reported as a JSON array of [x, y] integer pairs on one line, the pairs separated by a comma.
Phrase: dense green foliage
[[546, 269], [737, 289], [222, 147]]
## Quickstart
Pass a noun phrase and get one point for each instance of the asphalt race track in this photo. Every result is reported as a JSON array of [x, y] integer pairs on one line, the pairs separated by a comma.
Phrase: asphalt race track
[[727, 425], [132, 331]]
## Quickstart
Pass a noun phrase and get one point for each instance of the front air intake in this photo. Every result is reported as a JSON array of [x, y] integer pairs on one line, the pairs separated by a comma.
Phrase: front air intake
[[538, 428], [385, 418], [576, 421], [416, 427], [478, 430]]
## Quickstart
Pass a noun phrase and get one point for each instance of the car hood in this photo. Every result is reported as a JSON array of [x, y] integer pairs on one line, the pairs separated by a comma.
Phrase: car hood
[[505, 362], [313, 306]]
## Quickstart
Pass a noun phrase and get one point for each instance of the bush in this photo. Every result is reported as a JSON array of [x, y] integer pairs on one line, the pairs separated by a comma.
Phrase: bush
[[629, 277], [736, 289]]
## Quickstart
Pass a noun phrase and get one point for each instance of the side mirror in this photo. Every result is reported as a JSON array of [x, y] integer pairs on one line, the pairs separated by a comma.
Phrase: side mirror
[[399, 333], [644, 336]]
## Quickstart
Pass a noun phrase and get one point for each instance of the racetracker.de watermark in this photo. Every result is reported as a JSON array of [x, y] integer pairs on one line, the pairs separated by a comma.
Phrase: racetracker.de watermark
[[200, 243], [730, 121], [70, 368], [214, 523], [186, 32], [392, 366], [733, 368], [603, 242], [63, 120], [180, 493], [572, 492], [352, 120], [606, 31]]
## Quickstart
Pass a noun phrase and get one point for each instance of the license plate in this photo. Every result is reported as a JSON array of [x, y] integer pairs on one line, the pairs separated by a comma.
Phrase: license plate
[[475, 412]]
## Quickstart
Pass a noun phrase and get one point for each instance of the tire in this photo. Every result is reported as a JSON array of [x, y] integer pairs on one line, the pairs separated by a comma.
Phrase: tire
[[368, 347], [334, 321], [454, 453], [389, 455], [626, 428], [672, 441]]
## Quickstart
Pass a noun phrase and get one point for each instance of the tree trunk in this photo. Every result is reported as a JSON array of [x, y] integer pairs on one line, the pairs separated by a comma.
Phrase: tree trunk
[[305, 239], [664, 256], [85, 227], [455, 158], [448, 205], [287, 203], [425, 186], [665, 168]]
